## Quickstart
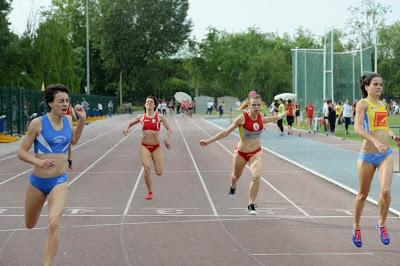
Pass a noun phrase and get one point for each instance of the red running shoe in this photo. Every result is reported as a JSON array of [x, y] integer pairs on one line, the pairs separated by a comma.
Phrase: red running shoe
[[149, 195], [357, 238]]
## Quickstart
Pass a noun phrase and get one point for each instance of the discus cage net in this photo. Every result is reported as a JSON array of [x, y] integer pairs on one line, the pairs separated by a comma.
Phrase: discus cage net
[[321, 74]]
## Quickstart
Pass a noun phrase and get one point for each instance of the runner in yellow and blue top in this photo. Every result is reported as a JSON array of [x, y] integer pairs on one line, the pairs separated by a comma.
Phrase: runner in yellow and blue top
[[248, 151], [371, 123]]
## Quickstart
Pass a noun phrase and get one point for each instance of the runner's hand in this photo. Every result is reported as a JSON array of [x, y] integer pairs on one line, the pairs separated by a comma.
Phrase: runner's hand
[[167, 144], [80, 112], [125, 132], [203, 142], [46, 163], [380, 146]]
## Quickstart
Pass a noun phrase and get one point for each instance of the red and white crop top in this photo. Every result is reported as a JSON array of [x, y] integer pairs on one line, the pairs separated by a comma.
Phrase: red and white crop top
[[251, 129], [151, 123]]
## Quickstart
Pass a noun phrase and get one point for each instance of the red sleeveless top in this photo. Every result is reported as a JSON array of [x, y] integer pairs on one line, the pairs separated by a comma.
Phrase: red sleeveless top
[[151, 123], [251, 129]]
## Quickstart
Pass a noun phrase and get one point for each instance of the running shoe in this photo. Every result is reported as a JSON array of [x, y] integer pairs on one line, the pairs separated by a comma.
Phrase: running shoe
[[232, 192], [149, 195], [383, 234], [357, 238], [251, 209]]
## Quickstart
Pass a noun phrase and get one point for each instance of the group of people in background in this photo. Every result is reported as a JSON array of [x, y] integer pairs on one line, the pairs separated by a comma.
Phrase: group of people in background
[[332, 115]]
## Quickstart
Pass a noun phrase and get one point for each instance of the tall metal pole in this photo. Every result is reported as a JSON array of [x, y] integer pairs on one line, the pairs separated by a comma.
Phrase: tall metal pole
[[295, 71], [354, 81], [305, 78], [361, 56], [87, 50], [376, 53], [120, 89], [324, 72], [332, 67]]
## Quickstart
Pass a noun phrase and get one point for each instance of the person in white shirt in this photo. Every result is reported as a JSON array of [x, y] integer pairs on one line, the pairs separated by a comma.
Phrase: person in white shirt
[[210, 105], [346, 113], [100, 109], [325, 113]]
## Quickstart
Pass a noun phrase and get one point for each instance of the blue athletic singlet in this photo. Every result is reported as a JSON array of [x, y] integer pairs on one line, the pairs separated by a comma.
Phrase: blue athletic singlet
[[53, 141]]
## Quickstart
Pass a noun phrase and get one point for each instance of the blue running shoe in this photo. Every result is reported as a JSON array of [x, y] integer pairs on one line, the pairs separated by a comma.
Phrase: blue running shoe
[[357, 238], [383, 234]]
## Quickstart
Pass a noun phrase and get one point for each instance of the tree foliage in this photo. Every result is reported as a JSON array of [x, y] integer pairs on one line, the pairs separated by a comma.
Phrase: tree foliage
[[147, 43], [366, 20], [132, 34]]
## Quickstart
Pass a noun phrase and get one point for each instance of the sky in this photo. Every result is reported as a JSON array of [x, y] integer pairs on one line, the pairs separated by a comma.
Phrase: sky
[[278, 16]]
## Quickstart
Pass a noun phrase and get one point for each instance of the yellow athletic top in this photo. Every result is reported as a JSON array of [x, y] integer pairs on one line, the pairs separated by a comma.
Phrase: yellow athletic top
[[376, 117]]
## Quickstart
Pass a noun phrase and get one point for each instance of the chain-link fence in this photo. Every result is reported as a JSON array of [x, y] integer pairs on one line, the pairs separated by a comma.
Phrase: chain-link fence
[[18, 106], [321, 74]]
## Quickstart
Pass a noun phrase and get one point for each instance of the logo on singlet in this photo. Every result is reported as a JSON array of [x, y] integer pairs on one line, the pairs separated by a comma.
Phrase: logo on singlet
[[256, 126], [381, 119], [59, 139], [153, 121]]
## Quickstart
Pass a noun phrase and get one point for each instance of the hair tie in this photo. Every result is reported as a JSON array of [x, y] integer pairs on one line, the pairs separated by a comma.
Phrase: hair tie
[[253, 93]]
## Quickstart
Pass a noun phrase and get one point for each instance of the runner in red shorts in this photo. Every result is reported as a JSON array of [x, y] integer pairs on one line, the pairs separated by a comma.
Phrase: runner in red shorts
[[248, 151], [150, 148], [310, 115]]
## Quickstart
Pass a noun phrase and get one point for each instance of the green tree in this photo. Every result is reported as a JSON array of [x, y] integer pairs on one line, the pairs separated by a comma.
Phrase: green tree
[[54, 56], [388, 63], [72, 15], [366, 20], [132, 34], [233, 64], [7, 46]]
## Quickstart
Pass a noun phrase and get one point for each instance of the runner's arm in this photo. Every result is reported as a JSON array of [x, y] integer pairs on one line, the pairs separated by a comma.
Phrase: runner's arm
[[222, 134], [77, 131], [131, 123]]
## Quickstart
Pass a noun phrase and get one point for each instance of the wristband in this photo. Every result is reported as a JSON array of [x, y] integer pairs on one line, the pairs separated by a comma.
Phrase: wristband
[[393, 136]]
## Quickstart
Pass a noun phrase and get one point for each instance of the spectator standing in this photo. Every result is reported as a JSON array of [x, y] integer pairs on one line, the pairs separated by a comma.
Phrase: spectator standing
[[110, 108], [346, 113]]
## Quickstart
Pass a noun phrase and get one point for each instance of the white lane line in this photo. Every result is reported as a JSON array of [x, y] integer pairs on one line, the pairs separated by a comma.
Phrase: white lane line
[[11, 178], [80, 145], [9, 157], [245, 251], [262, 178], [316, 254], [101, 158], [128, 204], [214, 210]]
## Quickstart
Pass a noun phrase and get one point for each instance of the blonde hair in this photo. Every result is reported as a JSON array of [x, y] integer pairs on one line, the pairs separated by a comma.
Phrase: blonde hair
[[252, 95]]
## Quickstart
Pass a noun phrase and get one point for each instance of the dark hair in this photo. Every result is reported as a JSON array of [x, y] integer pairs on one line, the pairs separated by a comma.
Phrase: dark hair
[[155, 101], [365, 80], [51, 90]]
